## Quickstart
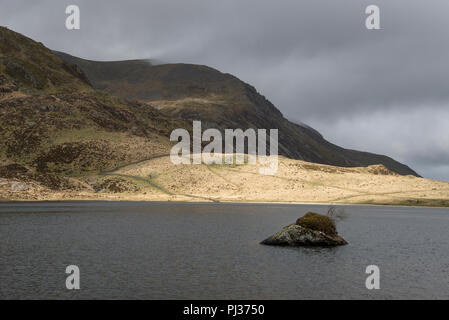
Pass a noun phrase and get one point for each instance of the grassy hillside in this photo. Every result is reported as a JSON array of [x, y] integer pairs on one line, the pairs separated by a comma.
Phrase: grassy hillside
[[219, 100], [158, 179], [53, 122]]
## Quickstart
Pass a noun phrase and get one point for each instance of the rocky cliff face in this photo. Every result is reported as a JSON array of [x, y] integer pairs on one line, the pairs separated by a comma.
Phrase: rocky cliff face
[[219, 100]]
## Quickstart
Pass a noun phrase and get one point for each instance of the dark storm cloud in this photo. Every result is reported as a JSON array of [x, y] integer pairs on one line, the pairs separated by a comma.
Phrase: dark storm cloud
[[384, 91]]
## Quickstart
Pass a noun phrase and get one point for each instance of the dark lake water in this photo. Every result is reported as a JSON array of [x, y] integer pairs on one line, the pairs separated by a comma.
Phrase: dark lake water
[[137, 250]]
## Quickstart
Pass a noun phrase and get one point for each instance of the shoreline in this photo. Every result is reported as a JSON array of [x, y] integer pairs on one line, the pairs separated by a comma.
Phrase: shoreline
[[2, 202]]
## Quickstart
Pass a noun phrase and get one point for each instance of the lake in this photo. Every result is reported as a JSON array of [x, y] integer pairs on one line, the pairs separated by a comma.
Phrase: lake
[[167, 250]]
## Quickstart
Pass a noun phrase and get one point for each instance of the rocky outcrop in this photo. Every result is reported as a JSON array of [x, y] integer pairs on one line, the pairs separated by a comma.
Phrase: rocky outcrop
[[307, 233]]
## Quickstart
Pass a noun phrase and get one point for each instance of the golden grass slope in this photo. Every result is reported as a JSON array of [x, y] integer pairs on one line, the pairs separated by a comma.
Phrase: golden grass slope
[[296, 181]]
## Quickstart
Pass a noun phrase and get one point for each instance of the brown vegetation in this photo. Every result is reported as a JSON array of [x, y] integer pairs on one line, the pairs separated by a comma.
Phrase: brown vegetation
[[317, 222]]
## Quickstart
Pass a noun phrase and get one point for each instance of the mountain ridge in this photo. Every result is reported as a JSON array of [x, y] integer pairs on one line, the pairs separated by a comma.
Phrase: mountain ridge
[[63, 139], [219, 100], [64, 116]]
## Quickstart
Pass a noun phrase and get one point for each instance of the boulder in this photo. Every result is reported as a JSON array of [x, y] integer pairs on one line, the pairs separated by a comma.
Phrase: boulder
[[311, 230]]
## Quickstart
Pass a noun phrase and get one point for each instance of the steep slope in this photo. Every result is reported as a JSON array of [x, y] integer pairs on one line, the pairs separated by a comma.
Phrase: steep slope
[[53, 122], [219, 100]]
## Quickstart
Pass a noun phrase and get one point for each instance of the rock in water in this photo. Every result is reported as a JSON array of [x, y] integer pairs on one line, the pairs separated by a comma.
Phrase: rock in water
[[311, 230]]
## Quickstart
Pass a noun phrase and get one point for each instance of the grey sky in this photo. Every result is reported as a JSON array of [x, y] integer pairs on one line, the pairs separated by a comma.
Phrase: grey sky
[[384, 91]]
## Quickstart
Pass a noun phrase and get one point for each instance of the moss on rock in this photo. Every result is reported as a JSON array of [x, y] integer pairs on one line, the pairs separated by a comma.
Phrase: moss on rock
[[318, 222]]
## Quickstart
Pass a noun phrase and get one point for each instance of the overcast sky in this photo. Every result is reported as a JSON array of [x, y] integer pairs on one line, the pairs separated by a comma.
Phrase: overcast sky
[[384, 91]]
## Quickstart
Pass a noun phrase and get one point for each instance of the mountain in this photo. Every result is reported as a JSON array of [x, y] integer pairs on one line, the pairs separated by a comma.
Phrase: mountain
[[219, 100], [65, 116], [53, 122]]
